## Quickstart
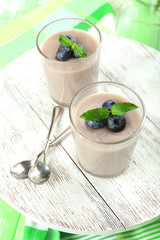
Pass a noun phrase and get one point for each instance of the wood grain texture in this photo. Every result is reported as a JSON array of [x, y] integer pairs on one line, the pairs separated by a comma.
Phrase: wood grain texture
[[73, 199], [62, 197]]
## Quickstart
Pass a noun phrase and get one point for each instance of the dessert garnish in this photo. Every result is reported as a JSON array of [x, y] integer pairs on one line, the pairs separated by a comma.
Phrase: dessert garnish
[[63, 53], [116, 123], [111, 115], [68, 48], [71, 38]]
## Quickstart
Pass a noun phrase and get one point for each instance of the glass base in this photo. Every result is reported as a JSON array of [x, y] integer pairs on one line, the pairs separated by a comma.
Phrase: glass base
[[60, 103], [104, 176]]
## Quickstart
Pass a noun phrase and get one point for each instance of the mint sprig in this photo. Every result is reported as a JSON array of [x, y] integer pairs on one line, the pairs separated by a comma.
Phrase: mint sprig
[[98, 114], [66, 42]]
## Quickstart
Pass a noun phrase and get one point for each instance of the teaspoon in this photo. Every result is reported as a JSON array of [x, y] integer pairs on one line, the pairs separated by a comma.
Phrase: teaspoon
[[20, 170]]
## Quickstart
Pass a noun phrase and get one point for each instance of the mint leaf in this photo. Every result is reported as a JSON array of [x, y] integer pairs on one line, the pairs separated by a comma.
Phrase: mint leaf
[[65, 41], [78, 50], [96, 114], [123, 107]]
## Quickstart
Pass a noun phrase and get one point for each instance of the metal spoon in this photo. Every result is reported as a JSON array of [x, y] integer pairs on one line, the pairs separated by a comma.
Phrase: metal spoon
[[40, 172], [20, 170]]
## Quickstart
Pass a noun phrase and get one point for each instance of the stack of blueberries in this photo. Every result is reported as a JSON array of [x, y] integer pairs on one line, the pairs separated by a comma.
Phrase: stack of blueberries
[[64, 53], [115, 123]]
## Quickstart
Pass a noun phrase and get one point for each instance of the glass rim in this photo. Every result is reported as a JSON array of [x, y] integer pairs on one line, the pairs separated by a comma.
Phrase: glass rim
[[62, 19], [115, 142]]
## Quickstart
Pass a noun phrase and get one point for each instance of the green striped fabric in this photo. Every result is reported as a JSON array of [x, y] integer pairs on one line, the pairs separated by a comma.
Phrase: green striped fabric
[[11, 223], [149, 231], [26, 38], [18, 37]]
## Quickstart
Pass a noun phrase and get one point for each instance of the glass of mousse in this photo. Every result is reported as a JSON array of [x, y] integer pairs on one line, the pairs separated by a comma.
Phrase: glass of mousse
[[104, 147], [66, 72]]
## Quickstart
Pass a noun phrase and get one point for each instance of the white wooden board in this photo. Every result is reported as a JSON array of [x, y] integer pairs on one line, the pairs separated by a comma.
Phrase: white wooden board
[[73, 200]]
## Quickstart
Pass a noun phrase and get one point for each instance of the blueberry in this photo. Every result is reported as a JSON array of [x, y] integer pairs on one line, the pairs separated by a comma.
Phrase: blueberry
[[96, 124], [108, 104], [71, 38], [63, 53], [116, 123], [74, 54]]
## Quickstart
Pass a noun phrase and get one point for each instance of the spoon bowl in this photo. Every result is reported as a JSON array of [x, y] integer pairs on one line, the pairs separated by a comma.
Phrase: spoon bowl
[[39, 173], [20, 170]]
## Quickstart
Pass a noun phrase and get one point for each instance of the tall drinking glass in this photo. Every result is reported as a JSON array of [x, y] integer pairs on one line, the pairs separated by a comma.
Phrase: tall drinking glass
[[66, 78], [102, 152]]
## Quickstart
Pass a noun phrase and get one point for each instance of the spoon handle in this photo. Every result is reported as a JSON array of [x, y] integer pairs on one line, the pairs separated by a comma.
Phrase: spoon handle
[[57, 111], [64, 134]]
